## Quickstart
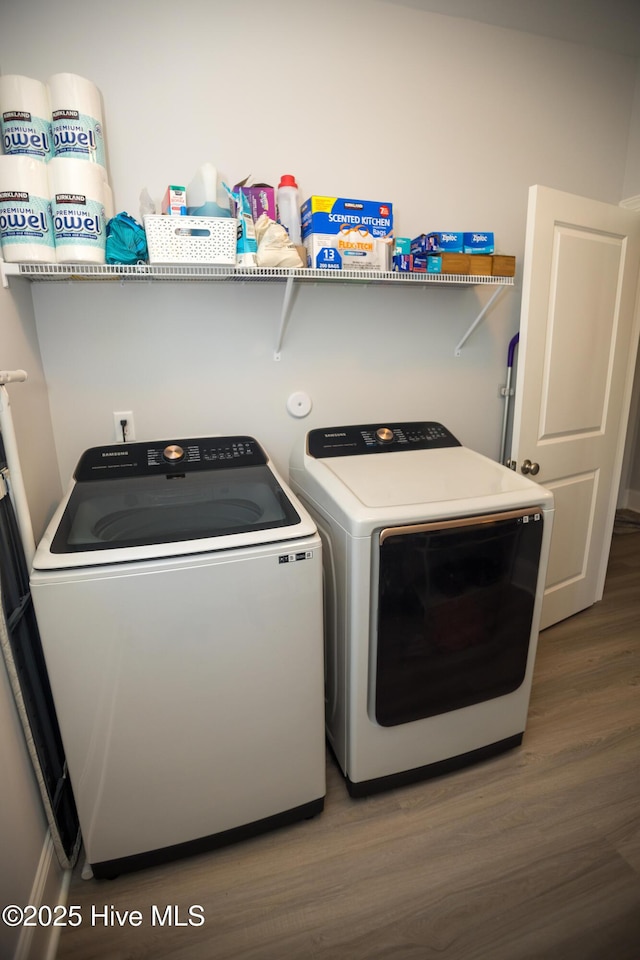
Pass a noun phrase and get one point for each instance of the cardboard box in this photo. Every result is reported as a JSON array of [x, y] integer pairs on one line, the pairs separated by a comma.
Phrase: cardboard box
[[401, 245], [478, 243], [174, 202], [456, 263], [425, 244], [502, 266], [328, 215], [342, 234], [451, 242], [348, 250], [402, 263], [261, 197]]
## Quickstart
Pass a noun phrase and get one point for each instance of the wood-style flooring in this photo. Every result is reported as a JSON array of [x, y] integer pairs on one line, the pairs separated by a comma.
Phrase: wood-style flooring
[[534, 855]]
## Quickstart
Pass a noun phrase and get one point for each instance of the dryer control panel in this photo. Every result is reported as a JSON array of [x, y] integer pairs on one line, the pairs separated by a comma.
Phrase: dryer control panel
[[169, 457], [356, 440]]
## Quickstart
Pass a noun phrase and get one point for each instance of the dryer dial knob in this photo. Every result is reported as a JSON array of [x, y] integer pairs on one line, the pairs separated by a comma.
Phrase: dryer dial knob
[[384, 435], [173, 453]]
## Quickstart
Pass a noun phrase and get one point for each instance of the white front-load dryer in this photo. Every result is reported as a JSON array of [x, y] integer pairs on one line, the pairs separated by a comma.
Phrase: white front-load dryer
[[178, 591], [434, 562]]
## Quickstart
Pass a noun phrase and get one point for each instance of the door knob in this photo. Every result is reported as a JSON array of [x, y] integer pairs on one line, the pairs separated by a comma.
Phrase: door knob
[[528, 467]]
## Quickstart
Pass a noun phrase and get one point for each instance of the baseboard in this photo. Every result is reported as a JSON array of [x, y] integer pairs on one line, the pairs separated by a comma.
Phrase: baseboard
[[50, 888], [631, 500]]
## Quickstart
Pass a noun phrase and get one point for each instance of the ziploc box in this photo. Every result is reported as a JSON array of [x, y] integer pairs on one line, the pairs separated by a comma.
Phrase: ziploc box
[[478, 243], [341, 233], [451, 242], [424, 244]]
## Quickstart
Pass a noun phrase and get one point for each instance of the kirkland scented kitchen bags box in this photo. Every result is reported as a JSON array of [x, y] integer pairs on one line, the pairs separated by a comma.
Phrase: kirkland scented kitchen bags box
[[343, 234]]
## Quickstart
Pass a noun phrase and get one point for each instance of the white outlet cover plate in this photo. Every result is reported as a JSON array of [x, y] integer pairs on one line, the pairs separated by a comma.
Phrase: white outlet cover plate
[[299, 404]]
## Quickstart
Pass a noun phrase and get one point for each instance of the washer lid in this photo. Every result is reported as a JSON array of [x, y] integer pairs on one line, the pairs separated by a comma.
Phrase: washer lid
[[137, 513]]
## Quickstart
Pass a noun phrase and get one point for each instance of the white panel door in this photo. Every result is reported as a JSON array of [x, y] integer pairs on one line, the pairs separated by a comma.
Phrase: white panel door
[[578, 341]]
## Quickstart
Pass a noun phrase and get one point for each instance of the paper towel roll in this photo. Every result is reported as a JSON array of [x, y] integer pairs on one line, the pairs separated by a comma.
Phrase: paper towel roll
[[78, 208], [76, 112], [25, 117], [26, 227]]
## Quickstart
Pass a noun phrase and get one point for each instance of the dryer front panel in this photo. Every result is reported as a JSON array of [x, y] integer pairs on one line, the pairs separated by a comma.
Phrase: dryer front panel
[[453, 613]]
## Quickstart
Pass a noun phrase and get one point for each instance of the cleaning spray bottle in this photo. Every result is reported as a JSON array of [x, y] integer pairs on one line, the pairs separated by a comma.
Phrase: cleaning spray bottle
[[289, 207], [203, 194]]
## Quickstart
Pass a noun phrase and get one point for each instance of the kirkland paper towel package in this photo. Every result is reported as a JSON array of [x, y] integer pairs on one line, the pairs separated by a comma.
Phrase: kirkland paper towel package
[[25, 117], [78, 210], [26, 228], [76, 112], [346, 234]]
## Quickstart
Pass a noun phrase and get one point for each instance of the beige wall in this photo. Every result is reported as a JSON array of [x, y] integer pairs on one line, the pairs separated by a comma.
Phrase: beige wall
[[450, 120]]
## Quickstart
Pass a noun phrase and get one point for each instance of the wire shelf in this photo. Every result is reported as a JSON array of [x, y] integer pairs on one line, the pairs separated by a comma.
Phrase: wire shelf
[[181, 272]]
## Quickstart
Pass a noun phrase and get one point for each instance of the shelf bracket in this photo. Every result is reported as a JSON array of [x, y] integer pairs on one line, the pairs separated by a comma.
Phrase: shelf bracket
[[496, 293], [284, 316]]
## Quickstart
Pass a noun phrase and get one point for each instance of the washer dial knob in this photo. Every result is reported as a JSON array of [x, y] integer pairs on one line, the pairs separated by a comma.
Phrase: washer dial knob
[[384, 435], [173, 453]]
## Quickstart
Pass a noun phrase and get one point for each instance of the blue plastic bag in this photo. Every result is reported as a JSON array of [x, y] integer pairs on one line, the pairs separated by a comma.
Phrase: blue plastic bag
[[126, 240]]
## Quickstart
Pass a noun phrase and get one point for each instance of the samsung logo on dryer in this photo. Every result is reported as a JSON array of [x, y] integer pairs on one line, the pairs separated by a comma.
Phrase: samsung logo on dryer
[[115, 453], [329, 435]]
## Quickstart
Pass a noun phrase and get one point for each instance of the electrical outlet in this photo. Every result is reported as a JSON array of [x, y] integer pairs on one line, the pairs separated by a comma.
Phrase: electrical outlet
[[129, 428]]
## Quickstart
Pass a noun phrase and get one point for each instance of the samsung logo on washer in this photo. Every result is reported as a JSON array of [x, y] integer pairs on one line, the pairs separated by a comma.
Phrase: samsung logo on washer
[[115, 453], [335, 435]]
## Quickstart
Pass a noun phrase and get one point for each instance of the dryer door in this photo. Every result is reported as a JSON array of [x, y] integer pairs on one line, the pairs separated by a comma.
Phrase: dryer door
[[455, 604]]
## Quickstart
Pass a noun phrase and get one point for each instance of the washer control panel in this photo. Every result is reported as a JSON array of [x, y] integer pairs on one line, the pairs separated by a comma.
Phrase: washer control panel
[[170, 457], [374, 438]]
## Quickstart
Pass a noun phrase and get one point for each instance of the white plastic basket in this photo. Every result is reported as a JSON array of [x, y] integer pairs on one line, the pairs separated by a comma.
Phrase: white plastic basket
[[173, 240]]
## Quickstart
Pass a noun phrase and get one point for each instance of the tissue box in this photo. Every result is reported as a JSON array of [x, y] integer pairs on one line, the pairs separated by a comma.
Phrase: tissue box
[[262, 199], [478, 243]]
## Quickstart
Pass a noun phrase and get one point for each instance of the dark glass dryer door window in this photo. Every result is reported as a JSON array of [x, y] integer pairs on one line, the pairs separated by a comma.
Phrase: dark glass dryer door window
[[455, 609]]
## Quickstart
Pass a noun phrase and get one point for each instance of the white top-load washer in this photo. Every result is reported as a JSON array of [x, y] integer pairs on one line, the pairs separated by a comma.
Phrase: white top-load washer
[[178, 591], [435, 560]]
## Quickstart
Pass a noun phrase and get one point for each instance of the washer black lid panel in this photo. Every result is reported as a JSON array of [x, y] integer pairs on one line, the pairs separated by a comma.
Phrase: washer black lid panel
[[374, 438], [168, 457]]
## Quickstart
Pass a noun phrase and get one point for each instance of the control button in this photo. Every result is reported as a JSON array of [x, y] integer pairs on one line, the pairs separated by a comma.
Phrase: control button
[[384, 435], [173, 453]]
